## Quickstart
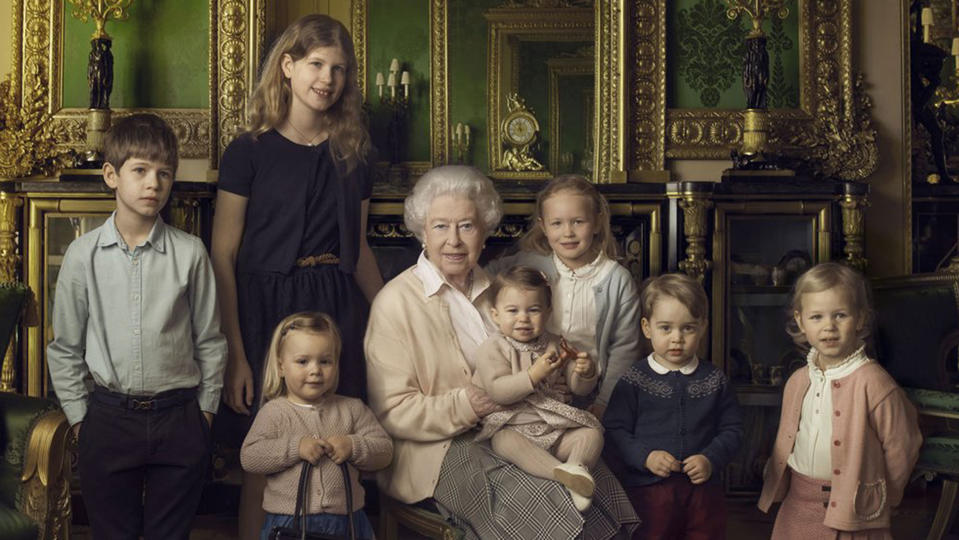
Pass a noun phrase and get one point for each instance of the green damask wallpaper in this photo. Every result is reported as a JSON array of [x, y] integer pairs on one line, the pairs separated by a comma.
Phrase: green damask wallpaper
[[705, 56], [400, 29], [160, 56]]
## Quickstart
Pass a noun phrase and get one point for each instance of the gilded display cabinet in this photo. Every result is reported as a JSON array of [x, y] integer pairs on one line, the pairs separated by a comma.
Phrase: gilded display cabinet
[[49, 215], [748, 240]]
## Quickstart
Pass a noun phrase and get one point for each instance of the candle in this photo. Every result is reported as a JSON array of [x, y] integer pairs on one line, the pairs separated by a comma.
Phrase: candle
[[391, 81], [405, 78], [459, 131], [395, 65], [927, 22], [379, 83], [466, 131]]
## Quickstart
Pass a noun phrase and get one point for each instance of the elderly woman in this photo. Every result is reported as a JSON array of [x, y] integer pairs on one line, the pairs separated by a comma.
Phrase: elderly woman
[[425, 327]]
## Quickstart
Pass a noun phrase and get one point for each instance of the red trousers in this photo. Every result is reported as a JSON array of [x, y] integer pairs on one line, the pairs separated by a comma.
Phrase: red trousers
[[676, 509]]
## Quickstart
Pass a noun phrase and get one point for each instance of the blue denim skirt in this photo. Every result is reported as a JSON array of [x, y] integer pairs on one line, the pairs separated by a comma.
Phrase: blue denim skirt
[[332, 524]]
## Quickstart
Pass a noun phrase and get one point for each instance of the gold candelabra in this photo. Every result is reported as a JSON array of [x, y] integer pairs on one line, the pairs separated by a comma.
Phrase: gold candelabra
[[752, 153], [757, 11], [101, 11], [99, 69]]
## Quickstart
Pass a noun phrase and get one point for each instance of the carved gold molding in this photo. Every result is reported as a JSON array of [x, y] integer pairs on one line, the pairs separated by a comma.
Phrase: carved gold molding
[[853, 231], [504, 25], [647, 81], [37, 49], [9, 259], [439, 85], [45, 480]]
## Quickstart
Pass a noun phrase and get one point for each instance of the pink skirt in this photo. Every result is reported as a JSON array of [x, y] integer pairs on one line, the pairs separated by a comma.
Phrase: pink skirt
[[803, 511]]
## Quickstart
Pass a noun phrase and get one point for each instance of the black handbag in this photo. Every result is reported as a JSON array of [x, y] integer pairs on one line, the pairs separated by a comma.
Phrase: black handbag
[[298, 530]]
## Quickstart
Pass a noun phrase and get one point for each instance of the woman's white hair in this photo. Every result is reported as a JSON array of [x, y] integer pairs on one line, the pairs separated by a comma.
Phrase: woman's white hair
[[459, 181]]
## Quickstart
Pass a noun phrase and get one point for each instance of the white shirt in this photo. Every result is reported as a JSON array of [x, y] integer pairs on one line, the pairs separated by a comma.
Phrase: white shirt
[[574, 302], [812, 453], [688, 369], [471, 327]]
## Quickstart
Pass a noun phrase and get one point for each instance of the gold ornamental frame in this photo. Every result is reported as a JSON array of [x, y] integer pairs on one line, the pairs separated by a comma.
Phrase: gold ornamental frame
[[237, 43], [829, 96], [37, 53], [505, 25], [609, 31]]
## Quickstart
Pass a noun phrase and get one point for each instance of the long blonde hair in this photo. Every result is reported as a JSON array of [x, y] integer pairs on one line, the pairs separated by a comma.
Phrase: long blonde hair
[[535, 239], [270, 103], [305, 321]]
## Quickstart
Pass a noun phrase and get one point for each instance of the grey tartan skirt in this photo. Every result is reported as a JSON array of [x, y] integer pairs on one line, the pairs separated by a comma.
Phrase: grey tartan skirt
[[490, 498]]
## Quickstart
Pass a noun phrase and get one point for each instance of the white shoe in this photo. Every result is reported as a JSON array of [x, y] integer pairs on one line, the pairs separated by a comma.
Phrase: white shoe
[[581, 503], [576, 479]]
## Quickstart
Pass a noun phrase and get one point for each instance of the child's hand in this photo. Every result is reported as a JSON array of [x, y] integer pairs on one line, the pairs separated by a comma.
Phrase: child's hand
[[585, 367], [662, 463], [568, 351], [698, 468], [339, 448], [311, 450], [544, 366]]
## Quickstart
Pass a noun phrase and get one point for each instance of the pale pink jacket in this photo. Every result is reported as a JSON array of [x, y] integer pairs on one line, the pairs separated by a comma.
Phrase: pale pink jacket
[[876, 443], [417, 378]]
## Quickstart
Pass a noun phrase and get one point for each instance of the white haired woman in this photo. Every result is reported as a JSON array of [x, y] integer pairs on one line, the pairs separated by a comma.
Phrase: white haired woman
[[425, 327]]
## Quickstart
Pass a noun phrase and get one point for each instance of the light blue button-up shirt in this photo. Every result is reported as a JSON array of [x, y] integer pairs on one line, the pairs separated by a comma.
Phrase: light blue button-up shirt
[[138, 321]]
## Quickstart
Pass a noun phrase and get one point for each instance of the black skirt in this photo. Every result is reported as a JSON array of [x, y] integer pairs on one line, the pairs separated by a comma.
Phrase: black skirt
[[264, 299]]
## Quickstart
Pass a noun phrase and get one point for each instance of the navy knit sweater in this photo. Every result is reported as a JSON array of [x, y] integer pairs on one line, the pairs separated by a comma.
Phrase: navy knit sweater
[[684, 415]]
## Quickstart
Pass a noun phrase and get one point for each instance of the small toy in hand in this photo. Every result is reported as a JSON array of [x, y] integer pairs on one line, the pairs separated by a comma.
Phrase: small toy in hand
[[568, 352]]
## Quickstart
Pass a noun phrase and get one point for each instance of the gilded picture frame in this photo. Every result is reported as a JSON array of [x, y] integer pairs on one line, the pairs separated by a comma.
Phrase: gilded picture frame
[[38, 65], [609, 29]]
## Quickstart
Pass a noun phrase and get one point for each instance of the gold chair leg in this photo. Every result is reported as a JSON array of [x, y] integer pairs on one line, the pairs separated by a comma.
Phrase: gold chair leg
[[946, 510]]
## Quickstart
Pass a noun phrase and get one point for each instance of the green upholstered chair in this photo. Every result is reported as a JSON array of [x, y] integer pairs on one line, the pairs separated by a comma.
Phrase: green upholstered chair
[[35, 464], [917, 333]]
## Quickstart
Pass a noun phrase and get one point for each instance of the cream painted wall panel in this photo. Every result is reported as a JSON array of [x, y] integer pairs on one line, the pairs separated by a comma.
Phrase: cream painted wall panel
[[879, 41]]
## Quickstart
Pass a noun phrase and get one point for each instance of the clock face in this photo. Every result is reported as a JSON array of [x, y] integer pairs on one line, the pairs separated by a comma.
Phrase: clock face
[[520, 130]]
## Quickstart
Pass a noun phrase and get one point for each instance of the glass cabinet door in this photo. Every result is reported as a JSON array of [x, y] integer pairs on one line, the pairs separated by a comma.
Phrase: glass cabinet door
[[759, 251]]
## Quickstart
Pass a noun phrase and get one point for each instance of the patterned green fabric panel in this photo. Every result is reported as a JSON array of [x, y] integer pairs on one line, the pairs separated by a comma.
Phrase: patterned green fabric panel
[[16, 526], [161, 56], [704, 56], [933, 400]]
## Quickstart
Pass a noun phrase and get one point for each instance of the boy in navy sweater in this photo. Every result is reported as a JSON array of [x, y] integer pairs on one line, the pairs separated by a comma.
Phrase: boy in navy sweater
[[673, 420]]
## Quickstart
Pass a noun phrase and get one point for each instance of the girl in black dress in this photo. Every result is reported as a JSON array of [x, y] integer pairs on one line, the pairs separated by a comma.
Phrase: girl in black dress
[[290, 222]]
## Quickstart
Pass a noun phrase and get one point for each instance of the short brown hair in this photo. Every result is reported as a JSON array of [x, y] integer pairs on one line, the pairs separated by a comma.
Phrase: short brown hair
[[825, 276], [522, 277], [688, 291], [144, 136]]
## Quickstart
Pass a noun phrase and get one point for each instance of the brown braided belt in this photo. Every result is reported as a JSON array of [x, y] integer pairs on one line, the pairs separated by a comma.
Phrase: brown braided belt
[[316, 260]]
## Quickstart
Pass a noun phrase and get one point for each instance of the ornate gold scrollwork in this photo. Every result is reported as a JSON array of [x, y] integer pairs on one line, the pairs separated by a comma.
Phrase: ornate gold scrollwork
[[27, 136], [648, 82], [9, 260], [695, 209], [852, 230], [46, 476]]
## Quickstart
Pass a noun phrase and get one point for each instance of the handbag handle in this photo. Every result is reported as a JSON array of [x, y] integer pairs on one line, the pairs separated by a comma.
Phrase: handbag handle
[[299, 515]]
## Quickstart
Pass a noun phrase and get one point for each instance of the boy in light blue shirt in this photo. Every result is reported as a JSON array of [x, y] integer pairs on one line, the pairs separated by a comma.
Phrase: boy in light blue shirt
[[135, 311]]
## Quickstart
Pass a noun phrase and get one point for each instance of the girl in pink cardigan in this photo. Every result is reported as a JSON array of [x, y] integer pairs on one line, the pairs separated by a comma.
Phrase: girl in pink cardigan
[[302, 419], [848, 436]]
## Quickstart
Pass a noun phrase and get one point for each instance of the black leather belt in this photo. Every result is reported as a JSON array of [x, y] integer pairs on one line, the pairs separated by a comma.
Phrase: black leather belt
[[163, 400]]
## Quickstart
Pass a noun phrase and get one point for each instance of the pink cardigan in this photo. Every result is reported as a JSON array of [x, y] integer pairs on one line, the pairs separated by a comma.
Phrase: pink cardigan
[[876, 443]]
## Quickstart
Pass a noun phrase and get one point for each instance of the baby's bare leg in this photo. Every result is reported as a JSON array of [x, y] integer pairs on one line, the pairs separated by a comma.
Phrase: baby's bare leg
[[520, 451], [580, 445]]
